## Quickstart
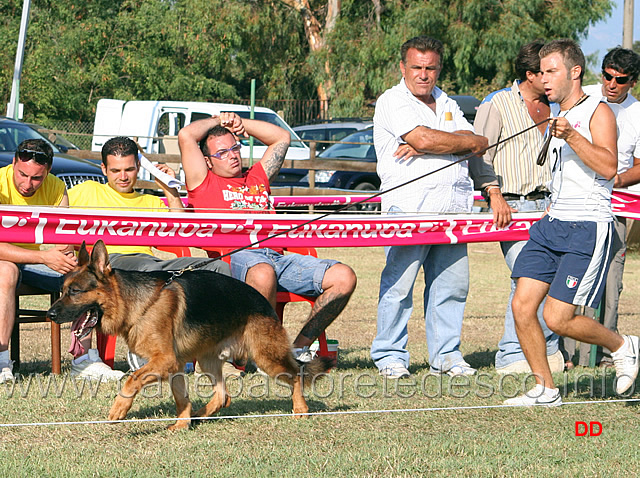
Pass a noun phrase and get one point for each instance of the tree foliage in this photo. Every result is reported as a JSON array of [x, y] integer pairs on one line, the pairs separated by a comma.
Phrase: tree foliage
[[79, 52]]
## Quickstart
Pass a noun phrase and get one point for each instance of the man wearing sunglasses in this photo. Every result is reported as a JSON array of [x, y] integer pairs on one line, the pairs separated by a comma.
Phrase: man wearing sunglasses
[[620, 70], [215, 181], [27, 182]]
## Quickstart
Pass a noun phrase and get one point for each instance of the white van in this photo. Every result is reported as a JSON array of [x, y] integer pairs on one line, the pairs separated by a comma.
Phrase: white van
[[156, 125]]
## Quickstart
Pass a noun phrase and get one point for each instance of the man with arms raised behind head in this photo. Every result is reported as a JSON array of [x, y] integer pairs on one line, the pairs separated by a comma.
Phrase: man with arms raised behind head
[[567, 255], [121, 164], [27, 182], [215, 180]]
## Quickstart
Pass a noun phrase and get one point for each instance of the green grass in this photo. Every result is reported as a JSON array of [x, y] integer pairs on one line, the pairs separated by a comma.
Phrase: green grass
[[444, 442]]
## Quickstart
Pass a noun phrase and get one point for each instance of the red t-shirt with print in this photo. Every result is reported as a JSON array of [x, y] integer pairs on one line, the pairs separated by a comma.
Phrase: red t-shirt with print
[[249, 193]]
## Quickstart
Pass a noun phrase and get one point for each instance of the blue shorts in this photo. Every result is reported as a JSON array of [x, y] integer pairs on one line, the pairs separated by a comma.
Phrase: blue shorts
[[41, 276], [295, 273], [573, 257]]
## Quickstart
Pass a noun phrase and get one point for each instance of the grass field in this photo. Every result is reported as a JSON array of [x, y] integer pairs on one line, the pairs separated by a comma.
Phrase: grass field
[[439, 427]]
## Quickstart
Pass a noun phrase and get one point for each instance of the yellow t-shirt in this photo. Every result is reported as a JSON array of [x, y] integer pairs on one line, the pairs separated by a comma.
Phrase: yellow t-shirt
[[50, 193], [93, 194]]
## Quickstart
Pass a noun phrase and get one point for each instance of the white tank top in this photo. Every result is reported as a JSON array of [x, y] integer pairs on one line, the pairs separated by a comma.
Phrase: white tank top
[[578, 193]]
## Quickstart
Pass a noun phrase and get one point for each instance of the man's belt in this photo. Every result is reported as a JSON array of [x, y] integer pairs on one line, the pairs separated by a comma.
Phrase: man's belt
[[533, 196]]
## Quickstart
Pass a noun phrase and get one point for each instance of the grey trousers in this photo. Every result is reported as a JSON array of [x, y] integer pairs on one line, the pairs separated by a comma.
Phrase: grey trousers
[[146, 263]]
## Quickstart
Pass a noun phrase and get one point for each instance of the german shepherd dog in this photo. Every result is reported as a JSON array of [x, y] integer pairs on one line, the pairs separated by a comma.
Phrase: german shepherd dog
[[198, 315]]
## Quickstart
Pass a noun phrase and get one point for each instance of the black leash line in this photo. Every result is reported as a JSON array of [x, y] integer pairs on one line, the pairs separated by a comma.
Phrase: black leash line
[[346, 206]]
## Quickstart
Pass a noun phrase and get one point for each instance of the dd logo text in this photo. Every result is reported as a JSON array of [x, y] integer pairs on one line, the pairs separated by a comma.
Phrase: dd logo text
[[592, 429]]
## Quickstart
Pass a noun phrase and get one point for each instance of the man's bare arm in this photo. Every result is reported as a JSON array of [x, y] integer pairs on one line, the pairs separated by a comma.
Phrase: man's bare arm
[[277, 140], [193, 163], [601, 155], [173, 196], [630, 177], [433, 141]]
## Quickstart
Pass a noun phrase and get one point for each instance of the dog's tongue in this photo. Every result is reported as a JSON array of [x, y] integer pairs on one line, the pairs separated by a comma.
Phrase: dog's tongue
[[77, 328], [76, 349]]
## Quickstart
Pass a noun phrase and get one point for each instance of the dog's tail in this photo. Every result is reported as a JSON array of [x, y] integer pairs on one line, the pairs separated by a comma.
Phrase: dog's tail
[[316, 368]]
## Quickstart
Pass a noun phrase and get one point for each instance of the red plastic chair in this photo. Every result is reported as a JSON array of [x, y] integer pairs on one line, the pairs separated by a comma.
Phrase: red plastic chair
[[282, 298]]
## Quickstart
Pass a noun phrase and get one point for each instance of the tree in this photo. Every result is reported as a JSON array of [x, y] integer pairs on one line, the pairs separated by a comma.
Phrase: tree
[[343, 51]]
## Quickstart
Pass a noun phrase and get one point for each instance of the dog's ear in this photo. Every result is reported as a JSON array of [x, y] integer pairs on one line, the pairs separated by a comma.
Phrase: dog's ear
[[100, 259], [83, 255]]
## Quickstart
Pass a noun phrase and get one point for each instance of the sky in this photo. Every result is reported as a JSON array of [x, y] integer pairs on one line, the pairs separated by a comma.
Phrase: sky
[[608, 33]]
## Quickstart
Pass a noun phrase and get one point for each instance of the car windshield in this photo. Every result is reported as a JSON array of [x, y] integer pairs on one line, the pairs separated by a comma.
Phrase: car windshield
[[11, 135], [352, 151]]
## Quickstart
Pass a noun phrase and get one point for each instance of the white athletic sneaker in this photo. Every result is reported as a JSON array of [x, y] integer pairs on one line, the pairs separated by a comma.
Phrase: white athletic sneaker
[[536, 396], [93, 368], [462, 368], [395, 370], [6, 372], [135, 361], [303, 354], [625, 360]]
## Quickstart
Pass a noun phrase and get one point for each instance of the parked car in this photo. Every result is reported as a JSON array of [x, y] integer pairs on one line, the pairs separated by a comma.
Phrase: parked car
[[468, 105], [68, 168], [62, 143], [323, 132]]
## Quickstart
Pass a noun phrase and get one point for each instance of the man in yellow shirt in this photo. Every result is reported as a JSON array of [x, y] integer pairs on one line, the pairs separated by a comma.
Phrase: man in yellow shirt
[[121, 163], [27, 182]]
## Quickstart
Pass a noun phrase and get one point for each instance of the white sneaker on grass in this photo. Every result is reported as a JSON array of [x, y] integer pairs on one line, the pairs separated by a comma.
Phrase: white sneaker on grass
[[6, 372], [626, 362], [395, 370], [459, 369], [93, 368], [303, 354], [537, 396]]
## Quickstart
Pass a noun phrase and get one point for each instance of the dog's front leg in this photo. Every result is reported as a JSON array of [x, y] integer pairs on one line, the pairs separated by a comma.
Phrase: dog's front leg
[[144, 376]]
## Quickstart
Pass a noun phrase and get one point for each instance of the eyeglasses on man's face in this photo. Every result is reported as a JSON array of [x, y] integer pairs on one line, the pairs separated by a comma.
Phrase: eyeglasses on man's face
[[29, 154], [621, 80], [225, 153]]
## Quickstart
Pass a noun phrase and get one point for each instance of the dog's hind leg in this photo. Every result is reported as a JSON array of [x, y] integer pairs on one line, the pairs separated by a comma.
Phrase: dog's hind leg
[[269, 346], [183, 404], [212, 368]]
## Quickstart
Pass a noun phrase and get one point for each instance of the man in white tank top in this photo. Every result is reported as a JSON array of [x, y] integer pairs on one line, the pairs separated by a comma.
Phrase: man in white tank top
[[567, 255]]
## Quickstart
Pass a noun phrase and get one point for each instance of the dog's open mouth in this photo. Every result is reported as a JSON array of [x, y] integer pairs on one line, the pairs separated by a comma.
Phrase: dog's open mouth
[[80, 328]]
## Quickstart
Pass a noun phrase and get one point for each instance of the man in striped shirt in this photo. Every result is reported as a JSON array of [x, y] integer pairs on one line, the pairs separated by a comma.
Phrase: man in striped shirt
[[523, 183]]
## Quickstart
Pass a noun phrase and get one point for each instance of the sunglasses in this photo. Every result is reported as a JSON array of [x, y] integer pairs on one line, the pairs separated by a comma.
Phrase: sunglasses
[[224, 153], [621, 80], [38, 156]]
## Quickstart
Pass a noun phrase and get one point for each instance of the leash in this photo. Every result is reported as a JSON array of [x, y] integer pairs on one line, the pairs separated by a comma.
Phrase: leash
[[346, 206]]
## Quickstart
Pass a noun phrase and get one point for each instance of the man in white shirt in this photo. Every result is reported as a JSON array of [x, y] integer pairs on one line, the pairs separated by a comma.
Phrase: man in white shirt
[[412, 138]]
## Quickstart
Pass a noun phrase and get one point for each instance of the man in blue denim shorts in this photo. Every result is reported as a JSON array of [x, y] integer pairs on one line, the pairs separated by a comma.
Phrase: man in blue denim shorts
[[567, 255], [215, 181]]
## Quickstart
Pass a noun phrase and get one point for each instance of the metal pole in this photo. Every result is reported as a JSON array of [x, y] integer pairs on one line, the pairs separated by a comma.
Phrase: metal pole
[[14, 102], [627, 25], [252, 116]]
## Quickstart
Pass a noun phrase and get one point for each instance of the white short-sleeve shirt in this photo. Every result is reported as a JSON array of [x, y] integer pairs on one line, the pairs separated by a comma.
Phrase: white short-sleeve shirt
[[397, 113]]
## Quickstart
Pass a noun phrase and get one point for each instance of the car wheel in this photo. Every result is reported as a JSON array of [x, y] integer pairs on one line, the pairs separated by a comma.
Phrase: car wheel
[[365, 186]]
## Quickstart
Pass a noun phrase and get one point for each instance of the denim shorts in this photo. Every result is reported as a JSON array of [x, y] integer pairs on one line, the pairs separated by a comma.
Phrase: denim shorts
[[295, 273], [41, 276], [571, 256]]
